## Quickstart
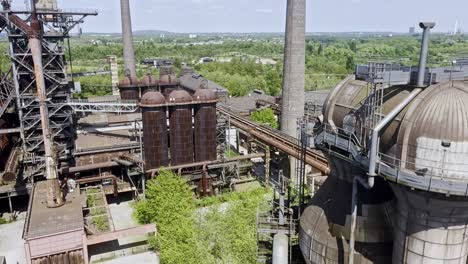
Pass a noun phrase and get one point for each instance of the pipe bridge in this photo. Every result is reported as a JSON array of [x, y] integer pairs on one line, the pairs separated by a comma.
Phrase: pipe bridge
[[278, 139]]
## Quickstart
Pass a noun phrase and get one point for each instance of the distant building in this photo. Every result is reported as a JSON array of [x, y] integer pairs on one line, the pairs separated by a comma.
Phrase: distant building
[[412, 30], [206, 60], [158, 62], [192, 36]]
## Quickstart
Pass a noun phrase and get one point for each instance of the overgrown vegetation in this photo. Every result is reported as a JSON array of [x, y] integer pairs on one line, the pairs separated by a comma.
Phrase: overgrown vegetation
[[223, 232], [265, 116]]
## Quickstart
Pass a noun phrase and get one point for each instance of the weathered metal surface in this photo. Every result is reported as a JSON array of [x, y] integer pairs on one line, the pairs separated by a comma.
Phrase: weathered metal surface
[[325, 225], [129, 89], [71, 257], [181, 132], [54, 197], [154, 130], [277, 139], [429, 228], [433, 139], [205, 125], [149, 83]]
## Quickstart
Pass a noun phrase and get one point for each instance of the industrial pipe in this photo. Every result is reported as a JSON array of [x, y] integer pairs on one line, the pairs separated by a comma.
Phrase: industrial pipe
[[369, 182], [426, 26], [373, 153], [280, 249], [205, 163], [54, 195], [127, 38], [89, 167]]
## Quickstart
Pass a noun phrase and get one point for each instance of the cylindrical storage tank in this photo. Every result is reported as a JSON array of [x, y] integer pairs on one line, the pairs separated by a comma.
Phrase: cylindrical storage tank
[[324, 228], [431, 227], [205, 125], [154, 130], [280, 249], [149, 83], [181, 135], [168, 81], [129, 89]]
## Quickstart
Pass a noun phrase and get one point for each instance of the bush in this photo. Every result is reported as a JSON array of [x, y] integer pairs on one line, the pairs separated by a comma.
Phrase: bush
[[170, 205], [265, 117]]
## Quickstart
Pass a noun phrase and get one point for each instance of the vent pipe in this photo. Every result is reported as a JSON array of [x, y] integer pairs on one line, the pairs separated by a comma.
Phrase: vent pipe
[[127, 37], [426, 26]]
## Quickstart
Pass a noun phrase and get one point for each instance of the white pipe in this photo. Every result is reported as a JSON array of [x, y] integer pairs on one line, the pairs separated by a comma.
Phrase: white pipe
[[369, 183], [280, 249], [376, 133]]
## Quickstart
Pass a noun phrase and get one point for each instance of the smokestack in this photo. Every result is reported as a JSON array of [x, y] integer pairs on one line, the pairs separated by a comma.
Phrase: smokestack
[[54, 194], [294, 70], [127, 36], [426, 26]]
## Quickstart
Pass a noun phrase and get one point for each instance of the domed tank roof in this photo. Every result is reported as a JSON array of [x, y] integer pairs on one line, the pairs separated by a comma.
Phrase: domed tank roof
[[179, 96], [433, 139], [152, 98], [149, 80], [128, 81], [203, 95]]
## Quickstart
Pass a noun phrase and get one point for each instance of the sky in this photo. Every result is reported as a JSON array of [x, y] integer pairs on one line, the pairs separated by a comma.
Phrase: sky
[[186, 16]]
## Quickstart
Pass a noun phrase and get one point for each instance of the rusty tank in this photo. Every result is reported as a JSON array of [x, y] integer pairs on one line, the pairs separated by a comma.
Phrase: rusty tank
[[168, 81], [149, 83], [153, 105], [129, 89], [181, 132], [205, 125]]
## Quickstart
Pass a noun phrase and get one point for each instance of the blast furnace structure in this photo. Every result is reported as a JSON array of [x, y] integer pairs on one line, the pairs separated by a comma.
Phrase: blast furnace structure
[[398, 152]]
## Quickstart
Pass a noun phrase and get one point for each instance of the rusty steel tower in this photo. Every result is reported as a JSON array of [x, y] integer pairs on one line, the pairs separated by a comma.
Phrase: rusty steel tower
[[41, 89]]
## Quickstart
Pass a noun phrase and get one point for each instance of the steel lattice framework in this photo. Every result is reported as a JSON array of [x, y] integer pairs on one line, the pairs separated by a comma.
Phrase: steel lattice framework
[[57, 26]]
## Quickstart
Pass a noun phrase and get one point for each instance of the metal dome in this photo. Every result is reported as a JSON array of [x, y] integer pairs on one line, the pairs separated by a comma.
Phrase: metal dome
[[128, 81], [179, 96], [433, 139], [152, 98], [203, 95], [149, 80]]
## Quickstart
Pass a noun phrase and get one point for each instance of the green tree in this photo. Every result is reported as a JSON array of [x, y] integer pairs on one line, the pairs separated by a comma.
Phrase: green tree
[[265, 117], [170, 205]]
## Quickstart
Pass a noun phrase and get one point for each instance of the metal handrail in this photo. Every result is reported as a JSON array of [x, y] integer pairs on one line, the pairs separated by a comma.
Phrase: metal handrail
[[427, 171]]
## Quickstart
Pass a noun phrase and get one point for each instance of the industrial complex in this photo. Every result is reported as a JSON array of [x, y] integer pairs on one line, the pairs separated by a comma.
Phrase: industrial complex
[[384, 154]]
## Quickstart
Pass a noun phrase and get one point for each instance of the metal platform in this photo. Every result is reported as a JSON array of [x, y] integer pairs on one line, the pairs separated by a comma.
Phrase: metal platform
[[44, 221]]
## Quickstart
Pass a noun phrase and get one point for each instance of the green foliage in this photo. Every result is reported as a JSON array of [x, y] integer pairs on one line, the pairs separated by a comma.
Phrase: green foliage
[[221, 233], [265, 117], [101, 223], [228, 228], [3, 221], [170, 206], [242, 76], [229, 153]]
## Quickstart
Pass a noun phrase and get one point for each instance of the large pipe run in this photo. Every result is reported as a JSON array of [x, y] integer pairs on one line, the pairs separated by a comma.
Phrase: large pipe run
[[426, 26], [127, 37], [54, 195]]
